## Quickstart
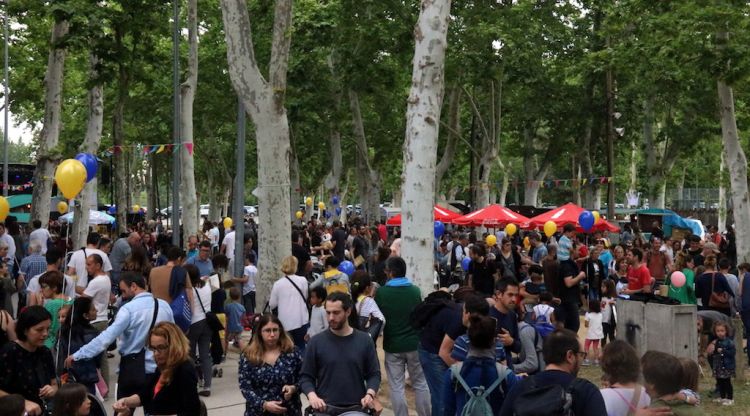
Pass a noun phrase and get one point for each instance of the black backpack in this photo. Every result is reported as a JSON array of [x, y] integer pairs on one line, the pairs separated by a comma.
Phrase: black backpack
[[550, 400], [431, 305]]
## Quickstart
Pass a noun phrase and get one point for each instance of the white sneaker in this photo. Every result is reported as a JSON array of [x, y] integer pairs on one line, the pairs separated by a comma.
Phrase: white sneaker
[[727, 402]]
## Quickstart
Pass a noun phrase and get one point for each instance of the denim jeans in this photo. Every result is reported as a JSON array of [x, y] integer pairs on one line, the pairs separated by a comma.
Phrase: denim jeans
[[434, 368], [298, 337], [396, 365]]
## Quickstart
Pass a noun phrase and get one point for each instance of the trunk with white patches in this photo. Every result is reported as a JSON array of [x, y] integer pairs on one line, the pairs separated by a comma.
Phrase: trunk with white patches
[[420, 148], [737, 166], [90, 145], [452, 136], [264, 102], [46, 153], [535, 170], [188, 197], [368, 179], [722, 211]]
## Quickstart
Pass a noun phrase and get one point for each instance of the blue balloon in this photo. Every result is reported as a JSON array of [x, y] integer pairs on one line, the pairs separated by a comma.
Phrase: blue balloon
[[90, 163], [112, 210], [335, 200], [439, 229], [586, 220], [328, 214], [338, 210], [465, 263], [346, 267]]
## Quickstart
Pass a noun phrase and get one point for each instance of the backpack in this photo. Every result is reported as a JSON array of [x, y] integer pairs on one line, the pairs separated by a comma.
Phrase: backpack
[[336, 283], [537, 345], [477, 405], [548, 400], [428, 308], [180, 305]]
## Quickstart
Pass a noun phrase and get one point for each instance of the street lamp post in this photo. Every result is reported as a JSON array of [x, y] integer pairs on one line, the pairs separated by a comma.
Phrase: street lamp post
[[7, 100]]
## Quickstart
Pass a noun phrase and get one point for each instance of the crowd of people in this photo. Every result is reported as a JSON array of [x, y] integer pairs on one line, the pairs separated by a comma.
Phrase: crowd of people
[[504, 318]]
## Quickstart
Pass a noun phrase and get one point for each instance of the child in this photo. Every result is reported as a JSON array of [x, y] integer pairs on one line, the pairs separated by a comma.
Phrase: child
[[532, 288], [721, 352], [607, 306], [596, 331], [663, 376], [247, 282], [690, 374], [542, 313], [621, 268], [318, 320], [234, 311]]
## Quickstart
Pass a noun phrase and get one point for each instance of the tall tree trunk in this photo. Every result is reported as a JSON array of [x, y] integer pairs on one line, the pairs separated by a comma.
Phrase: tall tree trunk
[[454, 133], [737, 166], [46, 154], [632, 187], [188, 196], [264, 101], [587, 168], [502, 196], [534, 169], [722, 210], [90, 144], [122, 174], [368, 180], [153, 187], [295, 197], [420, 148]]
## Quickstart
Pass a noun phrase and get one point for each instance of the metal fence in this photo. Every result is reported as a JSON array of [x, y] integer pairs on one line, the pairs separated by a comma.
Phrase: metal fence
[[693, 198]]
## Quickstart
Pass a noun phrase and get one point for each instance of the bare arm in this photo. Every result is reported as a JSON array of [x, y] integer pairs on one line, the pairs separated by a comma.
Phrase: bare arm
[[445, 350], [571, 281]]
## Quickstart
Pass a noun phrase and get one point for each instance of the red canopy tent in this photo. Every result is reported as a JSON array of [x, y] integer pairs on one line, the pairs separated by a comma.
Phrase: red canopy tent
[[568, 214], [441, 214], [491, 216]]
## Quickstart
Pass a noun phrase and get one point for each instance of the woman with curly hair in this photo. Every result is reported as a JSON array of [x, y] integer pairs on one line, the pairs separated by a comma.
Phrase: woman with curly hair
[[172, 389], [269, 371]]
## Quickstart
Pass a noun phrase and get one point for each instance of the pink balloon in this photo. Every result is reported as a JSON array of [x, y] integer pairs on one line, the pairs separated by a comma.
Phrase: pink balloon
[[678, 279]]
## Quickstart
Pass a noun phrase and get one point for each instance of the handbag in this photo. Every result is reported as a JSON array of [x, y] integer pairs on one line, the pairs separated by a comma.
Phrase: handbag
[[211, 319], [370, 324], [304, 299], [133, 366], [718, 300]]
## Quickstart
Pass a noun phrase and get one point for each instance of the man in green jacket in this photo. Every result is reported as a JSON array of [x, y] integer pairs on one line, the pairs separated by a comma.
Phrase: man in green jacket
[[397, 299]]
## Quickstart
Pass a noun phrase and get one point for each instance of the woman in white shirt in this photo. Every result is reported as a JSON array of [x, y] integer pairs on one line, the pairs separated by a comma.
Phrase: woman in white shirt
[[363, 291], [200, 333], [622, 369], [289, 294]]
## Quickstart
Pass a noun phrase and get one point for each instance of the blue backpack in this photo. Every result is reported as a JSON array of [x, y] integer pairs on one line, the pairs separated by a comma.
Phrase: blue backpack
[[180, 304]]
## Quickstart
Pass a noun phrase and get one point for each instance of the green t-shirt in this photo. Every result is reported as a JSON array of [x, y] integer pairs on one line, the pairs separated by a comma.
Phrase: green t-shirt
[[53, 306], [679, 408], [686, 293], [397, 303]]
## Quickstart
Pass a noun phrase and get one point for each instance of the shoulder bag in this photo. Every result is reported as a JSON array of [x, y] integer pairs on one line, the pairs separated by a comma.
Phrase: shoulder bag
[[211, 319], [133, 366], [304, 299], [369, 324]]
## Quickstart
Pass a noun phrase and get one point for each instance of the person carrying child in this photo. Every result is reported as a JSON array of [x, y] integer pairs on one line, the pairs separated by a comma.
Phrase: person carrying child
[[595, 330], [531, 289], [721, 352]]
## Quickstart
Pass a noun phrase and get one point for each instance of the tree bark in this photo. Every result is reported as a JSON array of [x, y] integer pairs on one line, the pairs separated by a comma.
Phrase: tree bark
[[295, 197], [188, 197], [47, 153], [264, 101], [368, 179], [737, 166], [90, 145], [454, 132], [722, 210], [420, 148], [660, 158], [534, 169]]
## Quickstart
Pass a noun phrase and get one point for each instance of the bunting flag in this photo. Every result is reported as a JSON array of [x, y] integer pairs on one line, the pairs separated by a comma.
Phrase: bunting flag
[[20, 187], [146, 149]]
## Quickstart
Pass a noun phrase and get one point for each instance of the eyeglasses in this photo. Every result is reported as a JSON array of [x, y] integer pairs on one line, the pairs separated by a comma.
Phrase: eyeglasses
[[159, 348], [583, 354]]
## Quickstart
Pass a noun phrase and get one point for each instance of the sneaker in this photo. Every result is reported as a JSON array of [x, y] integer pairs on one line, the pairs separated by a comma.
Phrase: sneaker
[[727, 402], [718, 400], [205, 392], [586, 362]]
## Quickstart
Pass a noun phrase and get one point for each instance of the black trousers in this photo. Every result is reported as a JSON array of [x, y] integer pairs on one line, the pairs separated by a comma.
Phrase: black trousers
[[725, 388], [570, 315], [609, 332]]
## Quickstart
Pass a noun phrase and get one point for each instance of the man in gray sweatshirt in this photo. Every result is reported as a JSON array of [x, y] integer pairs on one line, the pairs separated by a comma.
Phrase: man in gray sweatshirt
[[341, 366]]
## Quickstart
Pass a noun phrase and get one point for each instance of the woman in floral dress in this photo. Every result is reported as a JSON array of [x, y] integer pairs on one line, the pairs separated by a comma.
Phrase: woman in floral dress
[[269, 371]]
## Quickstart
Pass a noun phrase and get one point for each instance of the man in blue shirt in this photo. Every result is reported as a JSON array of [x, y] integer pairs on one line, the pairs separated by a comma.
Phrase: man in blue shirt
[[203, 261], [132, 324]]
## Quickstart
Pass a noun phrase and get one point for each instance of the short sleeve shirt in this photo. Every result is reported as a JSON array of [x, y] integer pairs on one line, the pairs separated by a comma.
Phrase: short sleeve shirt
[[638, 278], [24, 372]]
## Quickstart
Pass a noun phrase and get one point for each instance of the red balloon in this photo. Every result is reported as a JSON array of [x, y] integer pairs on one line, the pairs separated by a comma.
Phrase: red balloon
[[678, 279]]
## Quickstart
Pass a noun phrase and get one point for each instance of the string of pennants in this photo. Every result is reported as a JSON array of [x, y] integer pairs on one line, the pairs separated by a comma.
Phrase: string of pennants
[[553, 183], [21, 187], [147, 149], [556, 183]]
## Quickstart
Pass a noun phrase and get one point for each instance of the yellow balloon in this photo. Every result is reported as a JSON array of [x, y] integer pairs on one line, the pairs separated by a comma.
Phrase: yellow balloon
[[491, 240], [62, 207], [597, 216], [70, 177], [308, 201], [550, 228], [4, 208], [526, 243], [510, 229], [135, 208], [321, 205], [299, 215], [228, 223]]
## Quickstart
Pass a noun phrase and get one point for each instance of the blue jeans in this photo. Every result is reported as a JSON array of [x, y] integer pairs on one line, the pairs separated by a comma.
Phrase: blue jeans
[[434, 368]]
